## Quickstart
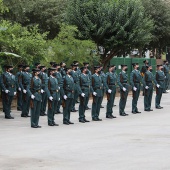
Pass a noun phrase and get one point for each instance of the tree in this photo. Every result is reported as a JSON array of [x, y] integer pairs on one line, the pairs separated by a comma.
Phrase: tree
[[117, 25], [46, 14]]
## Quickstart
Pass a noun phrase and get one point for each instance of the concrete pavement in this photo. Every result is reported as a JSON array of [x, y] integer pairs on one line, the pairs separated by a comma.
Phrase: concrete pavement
[[135, 142]]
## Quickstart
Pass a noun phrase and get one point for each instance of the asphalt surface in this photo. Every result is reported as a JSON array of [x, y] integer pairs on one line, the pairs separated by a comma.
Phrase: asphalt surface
[[135, 142]]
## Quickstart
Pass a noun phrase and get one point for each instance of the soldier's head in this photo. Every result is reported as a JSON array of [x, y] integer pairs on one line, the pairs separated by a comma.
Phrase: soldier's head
[[51, 71], [101, 67], [86, 64], [84, 70], [97, 70], [74, 67], [35, 71], [135, 66], [26, 68], [76, 63], [9, 68], [166, 62], [149, 68], [57, 67], [43, 69], [37, 65], [160, 67], [124, 67], [112, 68], [63, 64], [68, 71], [20, 67], [146, 62]]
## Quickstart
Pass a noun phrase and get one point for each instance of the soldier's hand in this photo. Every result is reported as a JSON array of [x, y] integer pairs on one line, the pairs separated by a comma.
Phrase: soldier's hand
[[124, 89], [134, 88], [82, 94], [65, 97], [24, 91], [157, 85], [32, 97], [42, 91], [15, 93], [146, 87], [109, 91], [19, 89], [94, 93], [7, 91], [51, 98]]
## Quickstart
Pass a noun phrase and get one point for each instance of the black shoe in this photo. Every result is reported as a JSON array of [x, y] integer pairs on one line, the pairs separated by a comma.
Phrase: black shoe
[[82, 121], [147, 110], [134, 112], [55, 124], [158, 108], [19, 109], [94, 119], [109, 117], [50, 124], [150, 109], [113, 116], [101, 106], [114, 105], [77, 102], [126, 114], [28, 116], [24, 116], [65, 123], [34, 126], [58, 111], [86, 120], [138, 112], [123, 114], [9, 117], [70, 122], [99, 119], [74, 110], [38, 126]]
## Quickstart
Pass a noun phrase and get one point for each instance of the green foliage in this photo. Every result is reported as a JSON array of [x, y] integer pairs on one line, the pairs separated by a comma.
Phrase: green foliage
[[3, 8], [65, 47], [117, 25], [29, 44]]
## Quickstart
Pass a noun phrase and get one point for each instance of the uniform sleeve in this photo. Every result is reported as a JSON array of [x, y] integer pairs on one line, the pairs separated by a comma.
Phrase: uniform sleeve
[[131, 79], [119, 81]]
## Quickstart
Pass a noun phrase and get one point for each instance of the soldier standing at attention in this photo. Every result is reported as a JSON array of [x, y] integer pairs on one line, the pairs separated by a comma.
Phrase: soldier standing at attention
[[8, 85], [36, 97], [37, 65], [63, 66], [44, 78], [160, 80], [148, 80], [53, 94], [135, 81], [68, 87], [86, 64], [85, 85], [97, 86], [25, 87], [166, 72], [111, 80], [19, 92], [124, 89]]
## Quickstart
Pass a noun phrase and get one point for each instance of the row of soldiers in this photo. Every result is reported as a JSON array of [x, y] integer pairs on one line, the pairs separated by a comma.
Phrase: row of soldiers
[[60, 85]]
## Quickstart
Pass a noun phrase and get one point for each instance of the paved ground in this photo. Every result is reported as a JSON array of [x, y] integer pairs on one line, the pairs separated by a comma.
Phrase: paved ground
[[136, 142]]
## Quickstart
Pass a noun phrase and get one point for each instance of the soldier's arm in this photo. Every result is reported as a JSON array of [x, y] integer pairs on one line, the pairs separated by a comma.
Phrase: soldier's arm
[[105, 82], [119, 81], [131, 79], [3, 81]]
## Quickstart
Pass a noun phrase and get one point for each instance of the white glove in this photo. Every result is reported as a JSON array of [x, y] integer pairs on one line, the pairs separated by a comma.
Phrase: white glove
[[124, 89], [82, 94], [42, 91], [165, 77], [24, 91], [157, 85], [6, 91], [65, 97], [146, 87], [15, 93], [58, 99], [51, 98], [19, 89], [134, 88], [59, 88], [109, 91], [32, 97], [94, 93]]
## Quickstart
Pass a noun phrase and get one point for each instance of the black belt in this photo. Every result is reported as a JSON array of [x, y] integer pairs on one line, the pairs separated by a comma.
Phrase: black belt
[[11, 86], [39, 91], [97, 88], [72, 91], [124, 82], [137, 82], [149, 81], [53, 91], [112, 84], [86, 86], [160, 80]]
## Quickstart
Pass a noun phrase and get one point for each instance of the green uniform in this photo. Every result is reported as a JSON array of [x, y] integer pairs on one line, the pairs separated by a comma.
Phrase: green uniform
[[85, 85], [111, 80], [135, 81], [35, 103], [8, 82], [60, 82], [166, 72], [148, 80], [97, 86], [123, 83], [103, 76], [44, 78], [19, 92], [75, 76], [160, 79], [63, 73], [54, 91], [68, 87], [25, 85]]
